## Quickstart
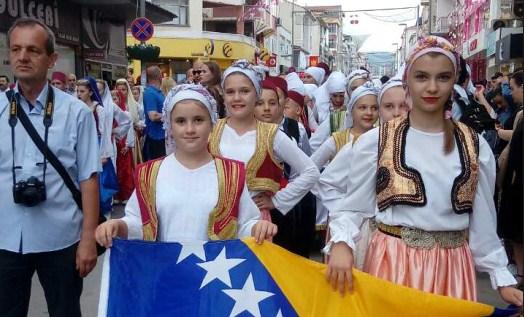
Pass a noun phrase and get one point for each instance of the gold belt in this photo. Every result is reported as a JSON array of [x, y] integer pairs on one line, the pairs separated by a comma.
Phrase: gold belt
[[421, 239]]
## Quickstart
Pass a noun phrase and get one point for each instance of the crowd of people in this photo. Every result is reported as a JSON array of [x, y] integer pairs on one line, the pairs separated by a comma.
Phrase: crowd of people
[[412, 178]]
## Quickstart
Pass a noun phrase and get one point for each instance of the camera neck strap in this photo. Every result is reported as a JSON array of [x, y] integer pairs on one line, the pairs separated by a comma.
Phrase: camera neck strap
[[16, 112], [40, 144]]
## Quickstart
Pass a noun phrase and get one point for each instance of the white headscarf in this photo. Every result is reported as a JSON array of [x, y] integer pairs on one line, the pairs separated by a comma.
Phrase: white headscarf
[[393, 82], [310, 90], [317, 73], [185, 92], [132, 106], [336, 83], [295, 84], [366, 89], [244, 67], [357, 74]]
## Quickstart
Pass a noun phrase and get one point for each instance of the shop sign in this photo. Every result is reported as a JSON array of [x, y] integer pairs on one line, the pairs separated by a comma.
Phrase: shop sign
[[313, 60], [59, 18], [473, 45], [227, 49]]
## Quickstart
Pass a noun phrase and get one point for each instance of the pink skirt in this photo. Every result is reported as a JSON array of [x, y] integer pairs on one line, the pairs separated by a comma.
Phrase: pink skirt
[[441, 271]]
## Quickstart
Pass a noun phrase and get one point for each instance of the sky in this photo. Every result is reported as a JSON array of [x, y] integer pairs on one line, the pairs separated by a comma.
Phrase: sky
[[382, 34]]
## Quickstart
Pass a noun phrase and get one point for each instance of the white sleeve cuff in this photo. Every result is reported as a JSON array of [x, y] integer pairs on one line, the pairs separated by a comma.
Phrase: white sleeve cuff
[[501, 277]]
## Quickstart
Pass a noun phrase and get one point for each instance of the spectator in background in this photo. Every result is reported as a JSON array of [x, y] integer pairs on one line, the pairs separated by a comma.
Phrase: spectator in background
[[197, 70], [154, 145], [4, 83], [211, 78], [189, 76], [71, 84], [167, 84], [59, 80], [510, 217]]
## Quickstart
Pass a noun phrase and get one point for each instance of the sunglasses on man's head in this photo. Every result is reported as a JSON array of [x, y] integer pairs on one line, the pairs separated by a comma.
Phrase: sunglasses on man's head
[[197, 72]]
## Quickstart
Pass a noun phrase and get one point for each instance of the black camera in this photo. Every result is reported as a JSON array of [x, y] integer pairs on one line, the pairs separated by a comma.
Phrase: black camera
[[30, 192]]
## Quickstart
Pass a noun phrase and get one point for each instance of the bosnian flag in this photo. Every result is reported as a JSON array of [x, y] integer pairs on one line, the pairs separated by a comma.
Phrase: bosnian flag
[[241, 278]]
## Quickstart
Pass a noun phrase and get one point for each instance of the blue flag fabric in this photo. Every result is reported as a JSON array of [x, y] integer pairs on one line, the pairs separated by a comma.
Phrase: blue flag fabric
[[212, 279], [241, 278]]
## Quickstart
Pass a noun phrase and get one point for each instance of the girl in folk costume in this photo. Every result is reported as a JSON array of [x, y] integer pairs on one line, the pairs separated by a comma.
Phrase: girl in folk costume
[[261, 146], [433, 181], [124, 158], [333, 183], [87, 91], [392, 100], [336, 87], [297, 226], [361, 114], [356, 79], [136, 111], [189, 195]]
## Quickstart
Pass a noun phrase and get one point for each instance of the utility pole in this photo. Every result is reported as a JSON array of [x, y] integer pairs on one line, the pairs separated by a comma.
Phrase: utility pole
[[143, 77], [293, 33]]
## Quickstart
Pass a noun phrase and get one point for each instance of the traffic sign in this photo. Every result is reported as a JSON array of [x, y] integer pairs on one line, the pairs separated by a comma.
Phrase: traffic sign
[[272, 61], [142, 29]]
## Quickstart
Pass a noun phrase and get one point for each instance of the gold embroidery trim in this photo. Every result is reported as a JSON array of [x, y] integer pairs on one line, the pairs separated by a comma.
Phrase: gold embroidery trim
[[397, 183], [465, 185], [266, 133], [148, 186], [227, 190]]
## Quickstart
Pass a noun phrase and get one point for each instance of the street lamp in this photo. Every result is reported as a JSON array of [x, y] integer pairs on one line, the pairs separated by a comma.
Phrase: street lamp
[[396, 56]]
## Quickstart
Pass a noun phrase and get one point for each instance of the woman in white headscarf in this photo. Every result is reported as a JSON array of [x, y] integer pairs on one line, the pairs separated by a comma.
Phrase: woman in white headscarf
[[314, 75], [335, 86]]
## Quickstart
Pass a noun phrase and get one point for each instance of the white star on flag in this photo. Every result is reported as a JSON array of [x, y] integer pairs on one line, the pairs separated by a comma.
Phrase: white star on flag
[[219, 268], [196, 248], [247, 298]]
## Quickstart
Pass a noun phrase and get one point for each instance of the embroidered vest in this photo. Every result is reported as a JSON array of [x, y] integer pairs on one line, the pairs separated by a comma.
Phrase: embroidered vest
[[398, 184], [342, 138], [223, 223], [337, 120], [264, 173]]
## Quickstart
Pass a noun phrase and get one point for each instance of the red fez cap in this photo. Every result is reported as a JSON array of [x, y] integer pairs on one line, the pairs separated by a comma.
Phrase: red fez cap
[[295, 96], [280, 83], [59, 76], [325, 67], [268, 84]]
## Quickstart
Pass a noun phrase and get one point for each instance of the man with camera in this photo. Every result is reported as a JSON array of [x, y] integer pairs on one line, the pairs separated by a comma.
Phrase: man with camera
[[46, 225]]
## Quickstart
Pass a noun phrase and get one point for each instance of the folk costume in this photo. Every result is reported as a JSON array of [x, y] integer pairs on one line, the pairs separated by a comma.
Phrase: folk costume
[[436, 215], [175, 203], [264, 150]]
